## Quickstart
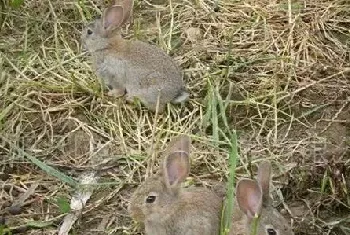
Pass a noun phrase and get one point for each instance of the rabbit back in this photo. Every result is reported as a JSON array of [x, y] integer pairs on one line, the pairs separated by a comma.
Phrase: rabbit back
[[144, 70]]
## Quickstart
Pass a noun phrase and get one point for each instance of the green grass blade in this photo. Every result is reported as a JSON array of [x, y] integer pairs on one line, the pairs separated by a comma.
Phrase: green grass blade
[[255, 225], [214, 117], [39, 224], [49, 169], [222, 108], [43, 166], [324, 182], [207, 115], [229, 202]]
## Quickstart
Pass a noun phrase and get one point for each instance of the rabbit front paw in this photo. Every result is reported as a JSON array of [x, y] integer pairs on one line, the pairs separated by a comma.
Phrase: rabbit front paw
[[130, 98], [116, 92]]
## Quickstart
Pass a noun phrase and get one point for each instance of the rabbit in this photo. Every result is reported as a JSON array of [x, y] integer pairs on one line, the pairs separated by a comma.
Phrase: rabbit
[[253, 198], [132, 68], [167, 209]]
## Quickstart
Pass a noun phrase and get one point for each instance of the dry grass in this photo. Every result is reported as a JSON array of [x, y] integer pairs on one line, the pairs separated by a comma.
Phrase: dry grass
[[281, 68]]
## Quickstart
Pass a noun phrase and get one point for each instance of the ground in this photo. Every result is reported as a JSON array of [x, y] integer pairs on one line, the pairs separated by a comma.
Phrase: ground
[[278, 70]]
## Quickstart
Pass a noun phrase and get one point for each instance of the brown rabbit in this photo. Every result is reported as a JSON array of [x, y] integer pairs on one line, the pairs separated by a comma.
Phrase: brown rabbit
[[167, 209], [253, 198], [132, 68]]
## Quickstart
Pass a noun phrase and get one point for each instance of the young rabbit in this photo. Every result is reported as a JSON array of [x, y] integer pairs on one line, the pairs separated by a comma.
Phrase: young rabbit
[[253, 198], [167, 209], [132, 68]]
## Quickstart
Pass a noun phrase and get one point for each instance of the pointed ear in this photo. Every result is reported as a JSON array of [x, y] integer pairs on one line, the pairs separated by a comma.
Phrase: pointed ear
[[176, 168], [264, 175], [176, 165], [249, 197], [128, 6], [113, 18], [178, 144]]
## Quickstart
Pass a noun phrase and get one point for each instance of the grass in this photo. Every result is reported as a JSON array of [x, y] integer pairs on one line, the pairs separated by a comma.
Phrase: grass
[[46, 168], [226, 225], [275, 73]]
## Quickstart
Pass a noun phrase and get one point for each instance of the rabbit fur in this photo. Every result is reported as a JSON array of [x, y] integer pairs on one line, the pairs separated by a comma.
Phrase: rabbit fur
[[174, 210], [132, 68], [253, 198], [167, 209]]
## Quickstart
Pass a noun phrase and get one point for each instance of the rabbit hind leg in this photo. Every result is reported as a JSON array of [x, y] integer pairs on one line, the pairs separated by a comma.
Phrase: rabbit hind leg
[[153, 101], [147, 101], [153, 106]]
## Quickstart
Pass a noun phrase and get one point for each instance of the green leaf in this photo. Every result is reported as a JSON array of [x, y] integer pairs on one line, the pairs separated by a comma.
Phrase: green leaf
[[63, 205], [16, 3]]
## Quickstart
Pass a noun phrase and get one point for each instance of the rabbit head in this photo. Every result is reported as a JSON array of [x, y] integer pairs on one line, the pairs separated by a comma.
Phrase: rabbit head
[[98, 33], [154, 196], [253, 199]]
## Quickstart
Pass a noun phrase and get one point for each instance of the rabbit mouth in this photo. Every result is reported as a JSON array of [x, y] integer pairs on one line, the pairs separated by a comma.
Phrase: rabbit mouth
[[137, 216], [136, 213]]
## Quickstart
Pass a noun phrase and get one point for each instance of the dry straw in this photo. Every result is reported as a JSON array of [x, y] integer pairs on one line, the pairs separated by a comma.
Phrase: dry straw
[[277, 72]]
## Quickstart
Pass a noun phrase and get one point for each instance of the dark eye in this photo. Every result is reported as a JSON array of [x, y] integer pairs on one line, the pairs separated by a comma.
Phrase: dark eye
[[150, 199], [89, 32], [271, 231]]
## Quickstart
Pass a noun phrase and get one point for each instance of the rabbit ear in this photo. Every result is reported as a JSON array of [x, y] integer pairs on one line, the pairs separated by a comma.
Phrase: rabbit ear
[[113, 17], [118, 14], [264, 174], [180, 143], [176, 166], [249, 197], [127, 6]]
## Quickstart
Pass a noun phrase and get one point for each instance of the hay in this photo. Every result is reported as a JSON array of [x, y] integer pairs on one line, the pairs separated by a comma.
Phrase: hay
[[281, 68]]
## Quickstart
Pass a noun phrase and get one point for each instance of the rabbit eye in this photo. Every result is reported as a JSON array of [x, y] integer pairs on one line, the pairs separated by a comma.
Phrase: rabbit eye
[[89, 32], [150, 199], [271, 231]]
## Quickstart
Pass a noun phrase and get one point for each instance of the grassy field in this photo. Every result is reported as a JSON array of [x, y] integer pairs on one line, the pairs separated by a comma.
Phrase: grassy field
[[277, 72]]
